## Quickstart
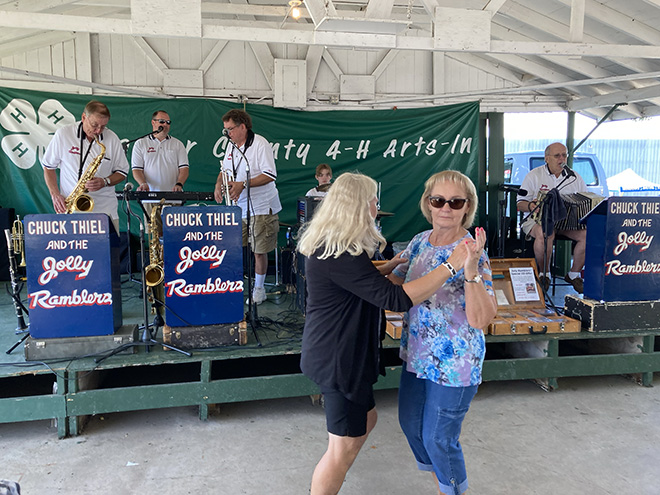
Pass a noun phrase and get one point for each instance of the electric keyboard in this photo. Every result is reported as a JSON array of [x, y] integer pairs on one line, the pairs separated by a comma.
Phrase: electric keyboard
[[166, 195]]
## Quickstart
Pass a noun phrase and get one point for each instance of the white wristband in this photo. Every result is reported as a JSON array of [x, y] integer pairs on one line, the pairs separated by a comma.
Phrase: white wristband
[[451, 269]]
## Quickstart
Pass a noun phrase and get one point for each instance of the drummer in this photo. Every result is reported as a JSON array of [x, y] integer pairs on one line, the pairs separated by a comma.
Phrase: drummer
[[323, 176]]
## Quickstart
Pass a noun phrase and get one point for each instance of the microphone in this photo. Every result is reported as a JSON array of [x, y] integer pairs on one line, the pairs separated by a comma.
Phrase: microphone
[[568, 172], [523, 192], [225, 132], [128, 187], [160, 128]]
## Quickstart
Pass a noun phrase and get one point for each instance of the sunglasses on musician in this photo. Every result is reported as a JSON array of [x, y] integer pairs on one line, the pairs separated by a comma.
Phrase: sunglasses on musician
[[163, 121], [454, 204]]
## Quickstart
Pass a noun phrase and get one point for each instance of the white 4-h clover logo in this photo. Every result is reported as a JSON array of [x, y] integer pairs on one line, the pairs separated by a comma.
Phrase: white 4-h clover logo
[[33, 131]]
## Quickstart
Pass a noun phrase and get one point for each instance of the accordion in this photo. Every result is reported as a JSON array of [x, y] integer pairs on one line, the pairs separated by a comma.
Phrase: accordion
[[577, 206]]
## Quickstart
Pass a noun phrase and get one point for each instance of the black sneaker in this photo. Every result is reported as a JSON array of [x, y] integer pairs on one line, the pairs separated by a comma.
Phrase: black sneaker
[[577, 283]]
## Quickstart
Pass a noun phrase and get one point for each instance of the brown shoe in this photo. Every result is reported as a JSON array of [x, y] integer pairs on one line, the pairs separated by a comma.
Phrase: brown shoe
[[545, 282], [577, 283]]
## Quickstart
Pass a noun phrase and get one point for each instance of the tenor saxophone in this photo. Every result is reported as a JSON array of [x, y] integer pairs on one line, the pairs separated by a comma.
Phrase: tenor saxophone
[[78, 200], [154, 273]]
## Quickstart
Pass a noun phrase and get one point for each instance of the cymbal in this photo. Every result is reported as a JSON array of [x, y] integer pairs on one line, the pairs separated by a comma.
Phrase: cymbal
[[323, 187], [282, 224], [384, 214]]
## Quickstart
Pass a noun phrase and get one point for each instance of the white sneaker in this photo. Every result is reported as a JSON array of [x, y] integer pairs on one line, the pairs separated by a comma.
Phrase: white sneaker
[[258, 295]]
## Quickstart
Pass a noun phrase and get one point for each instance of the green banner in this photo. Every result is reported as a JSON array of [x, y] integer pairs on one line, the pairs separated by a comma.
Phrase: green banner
[[398, 148]]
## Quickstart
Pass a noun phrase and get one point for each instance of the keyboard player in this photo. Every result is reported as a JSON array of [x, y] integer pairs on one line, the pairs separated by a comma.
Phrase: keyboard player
[[160, 161], [543, 179]]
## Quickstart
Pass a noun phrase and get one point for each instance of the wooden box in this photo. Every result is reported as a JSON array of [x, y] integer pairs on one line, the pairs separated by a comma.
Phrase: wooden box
[[205, 336], [599, 316], [394, 324], [523, 317], [71, 347]]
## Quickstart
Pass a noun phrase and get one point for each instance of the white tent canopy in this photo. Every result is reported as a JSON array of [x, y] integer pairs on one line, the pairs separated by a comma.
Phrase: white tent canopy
[[630, 182]]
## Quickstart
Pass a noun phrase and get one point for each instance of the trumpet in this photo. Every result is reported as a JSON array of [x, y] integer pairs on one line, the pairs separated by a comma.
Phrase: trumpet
[[226, 179], [18, 239]]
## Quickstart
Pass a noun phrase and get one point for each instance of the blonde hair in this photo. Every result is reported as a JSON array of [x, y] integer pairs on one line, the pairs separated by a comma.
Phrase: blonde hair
[[457, 178], [342, 223]]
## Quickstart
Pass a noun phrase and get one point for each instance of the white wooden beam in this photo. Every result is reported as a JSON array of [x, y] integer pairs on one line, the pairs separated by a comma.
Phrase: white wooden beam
[[384, 63], [379, 9], [172, 17], [613, 18], [493, 6], [498, 70], [313, 60], [213, 55], [332, 64], [265, 59], [629, 96], [57, 22], [78, 83], [320, 9], [577, 21], [83, 60], [29, 43], [151, 55]]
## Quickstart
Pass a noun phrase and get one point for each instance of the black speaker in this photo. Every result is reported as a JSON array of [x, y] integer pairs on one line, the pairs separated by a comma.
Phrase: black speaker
[[127, 263], [6, 220]]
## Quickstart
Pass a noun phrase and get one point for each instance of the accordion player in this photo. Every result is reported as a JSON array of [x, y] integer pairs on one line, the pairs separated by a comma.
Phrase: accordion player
[[573, 191]]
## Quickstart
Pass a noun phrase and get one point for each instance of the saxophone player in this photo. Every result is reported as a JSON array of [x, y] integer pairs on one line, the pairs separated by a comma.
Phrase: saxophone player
[[73, 149]]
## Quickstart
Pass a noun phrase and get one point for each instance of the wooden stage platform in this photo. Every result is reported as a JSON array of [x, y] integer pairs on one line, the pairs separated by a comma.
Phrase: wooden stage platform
[[71, 389]]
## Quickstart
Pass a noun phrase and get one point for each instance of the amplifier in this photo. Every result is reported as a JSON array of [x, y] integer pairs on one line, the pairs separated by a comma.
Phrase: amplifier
[[306, 207]]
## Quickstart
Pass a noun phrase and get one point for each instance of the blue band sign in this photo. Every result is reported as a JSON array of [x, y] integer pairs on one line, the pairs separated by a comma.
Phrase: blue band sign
[[623, 250], [203, 265], [72, 275]]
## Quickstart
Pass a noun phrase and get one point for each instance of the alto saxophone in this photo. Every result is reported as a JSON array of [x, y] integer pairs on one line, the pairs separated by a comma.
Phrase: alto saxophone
[[154, 273], [78, 201]]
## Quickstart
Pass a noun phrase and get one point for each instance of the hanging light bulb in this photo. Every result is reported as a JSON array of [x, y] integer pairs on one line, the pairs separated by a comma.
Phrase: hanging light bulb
[[295, 8]]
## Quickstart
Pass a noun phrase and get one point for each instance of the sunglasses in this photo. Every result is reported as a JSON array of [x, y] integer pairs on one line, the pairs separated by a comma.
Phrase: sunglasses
[[163, 121], [454, 204]]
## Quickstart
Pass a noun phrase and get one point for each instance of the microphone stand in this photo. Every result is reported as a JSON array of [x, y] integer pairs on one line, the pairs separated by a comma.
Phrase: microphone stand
[[128, 216], [147, 338], [558, 187], [251, 314]]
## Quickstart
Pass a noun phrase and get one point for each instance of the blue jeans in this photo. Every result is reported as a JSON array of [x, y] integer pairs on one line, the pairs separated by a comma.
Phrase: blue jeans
[[431, 416]]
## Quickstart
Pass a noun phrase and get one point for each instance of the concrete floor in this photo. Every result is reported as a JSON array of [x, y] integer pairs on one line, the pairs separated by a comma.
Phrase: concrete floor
[[594, 435]]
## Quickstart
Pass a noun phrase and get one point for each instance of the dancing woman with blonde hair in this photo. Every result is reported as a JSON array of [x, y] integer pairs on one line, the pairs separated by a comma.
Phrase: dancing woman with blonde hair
[[344, 320]]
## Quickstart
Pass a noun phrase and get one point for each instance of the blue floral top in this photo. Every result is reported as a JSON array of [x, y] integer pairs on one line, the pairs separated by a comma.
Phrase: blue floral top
[[437, 343]]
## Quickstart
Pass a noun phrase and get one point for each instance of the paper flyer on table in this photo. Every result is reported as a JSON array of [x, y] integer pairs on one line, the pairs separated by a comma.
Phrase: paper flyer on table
[[524, 284]]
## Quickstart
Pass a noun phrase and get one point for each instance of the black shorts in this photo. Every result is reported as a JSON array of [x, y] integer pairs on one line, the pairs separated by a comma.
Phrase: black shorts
[[346, 418]]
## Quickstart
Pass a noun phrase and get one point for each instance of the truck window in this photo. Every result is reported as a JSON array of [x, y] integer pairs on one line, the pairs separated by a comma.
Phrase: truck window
[[586, 169]]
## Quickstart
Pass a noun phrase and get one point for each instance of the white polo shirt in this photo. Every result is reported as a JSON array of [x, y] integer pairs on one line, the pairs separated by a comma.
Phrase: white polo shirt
[[264, 200], [160, 161], [541, 179], [65, 152]]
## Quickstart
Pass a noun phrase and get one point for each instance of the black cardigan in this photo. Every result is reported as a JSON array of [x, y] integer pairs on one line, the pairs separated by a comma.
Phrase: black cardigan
[[340, 347]]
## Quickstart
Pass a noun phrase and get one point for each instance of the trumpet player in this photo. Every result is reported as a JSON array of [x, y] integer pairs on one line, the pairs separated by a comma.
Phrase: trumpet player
[[264, 201], [73, 149]]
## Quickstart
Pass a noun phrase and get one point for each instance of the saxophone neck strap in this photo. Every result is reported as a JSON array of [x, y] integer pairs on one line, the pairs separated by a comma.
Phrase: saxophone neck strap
[[83, 137]]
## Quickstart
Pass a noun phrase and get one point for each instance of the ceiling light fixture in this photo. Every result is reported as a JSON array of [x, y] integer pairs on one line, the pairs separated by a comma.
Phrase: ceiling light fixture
[[294, 11], [295, 8]]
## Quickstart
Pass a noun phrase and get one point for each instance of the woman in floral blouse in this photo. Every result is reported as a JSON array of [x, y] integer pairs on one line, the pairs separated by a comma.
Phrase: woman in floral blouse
[[442, 344]]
